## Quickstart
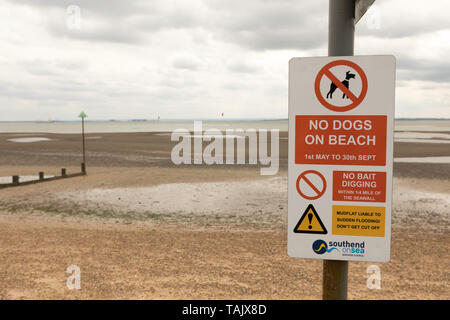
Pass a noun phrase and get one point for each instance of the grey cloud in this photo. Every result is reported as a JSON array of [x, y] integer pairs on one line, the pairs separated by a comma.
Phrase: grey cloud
[[254, 24], [44, 67], [114, 34], [174, 18], [116, 21], [235, 86], [276, 39], [422, 69], [101, 20], [435, 74], [38, 70], [261, 25], [428, 75], [241, 67], [186, 62], [42, 93], [111, 8], [178, 83]]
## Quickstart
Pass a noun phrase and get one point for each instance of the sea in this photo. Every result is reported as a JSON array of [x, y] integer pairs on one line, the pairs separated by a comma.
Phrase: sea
[[401, 125]]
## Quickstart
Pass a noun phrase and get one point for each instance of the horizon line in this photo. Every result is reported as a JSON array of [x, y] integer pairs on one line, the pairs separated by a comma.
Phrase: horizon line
[[196, 119]]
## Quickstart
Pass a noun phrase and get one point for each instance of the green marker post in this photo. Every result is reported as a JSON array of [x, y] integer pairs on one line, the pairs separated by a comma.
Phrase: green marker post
[[83, 115]]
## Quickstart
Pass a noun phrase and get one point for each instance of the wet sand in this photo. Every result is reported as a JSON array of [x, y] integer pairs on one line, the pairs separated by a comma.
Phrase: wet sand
[[153, 149], [146, 229]]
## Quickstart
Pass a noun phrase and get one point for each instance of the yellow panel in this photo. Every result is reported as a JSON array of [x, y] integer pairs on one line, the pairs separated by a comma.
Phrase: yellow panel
[[359, 221]]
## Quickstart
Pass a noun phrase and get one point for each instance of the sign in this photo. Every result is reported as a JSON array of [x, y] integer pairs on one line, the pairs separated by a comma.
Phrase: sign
[[354, 71], [345, 140], [82, 115], [341, 123], [310, 222], [364, 186], [311, 185]]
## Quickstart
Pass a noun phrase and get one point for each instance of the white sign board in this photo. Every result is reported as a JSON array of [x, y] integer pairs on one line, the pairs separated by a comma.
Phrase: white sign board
[[341, 127]]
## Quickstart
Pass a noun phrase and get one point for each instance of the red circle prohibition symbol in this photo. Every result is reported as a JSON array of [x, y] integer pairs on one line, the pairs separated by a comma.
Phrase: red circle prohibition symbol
[[325, 71], [318, 192]]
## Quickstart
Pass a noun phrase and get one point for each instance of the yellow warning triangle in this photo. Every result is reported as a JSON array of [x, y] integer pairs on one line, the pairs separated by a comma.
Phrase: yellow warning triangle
[[310, 222]]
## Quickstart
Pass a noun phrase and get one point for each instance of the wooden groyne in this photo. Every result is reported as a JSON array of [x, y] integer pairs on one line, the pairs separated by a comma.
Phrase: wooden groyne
[[15, 180]]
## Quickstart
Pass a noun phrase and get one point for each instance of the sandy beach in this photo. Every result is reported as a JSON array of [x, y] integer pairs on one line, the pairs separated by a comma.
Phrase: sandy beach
[[229, 154], [140, 227]]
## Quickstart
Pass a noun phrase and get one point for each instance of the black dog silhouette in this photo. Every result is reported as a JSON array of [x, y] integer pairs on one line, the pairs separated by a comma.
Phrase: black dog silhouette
[[345, 82]]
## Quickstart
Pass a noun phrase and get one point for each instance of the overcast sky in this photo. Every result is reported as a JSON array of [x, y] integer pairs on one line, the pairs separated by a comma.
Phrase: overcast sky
[[198, 58]]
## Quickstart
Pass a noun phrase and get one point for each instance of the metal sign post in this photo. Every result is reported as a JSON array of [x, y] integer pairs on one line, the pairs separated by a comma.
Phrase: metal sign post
[[341, 35], [340, 153]]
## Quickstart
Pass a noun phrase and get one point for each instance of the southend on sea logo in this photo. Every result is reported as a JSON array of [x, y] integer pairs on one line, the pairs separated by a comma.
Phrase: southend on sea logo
[[320, 247]]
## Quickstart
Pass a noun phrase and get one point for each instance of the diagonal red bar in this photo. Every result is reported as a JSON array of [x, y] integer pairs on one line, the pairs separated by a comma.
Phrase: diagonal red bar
[[311, 185], [340, 85]]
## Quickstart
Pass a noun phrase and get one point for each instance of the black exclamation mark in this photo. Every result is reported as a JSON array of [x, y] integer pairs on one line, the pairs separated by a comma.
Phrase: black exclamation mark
[[310, 216]]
